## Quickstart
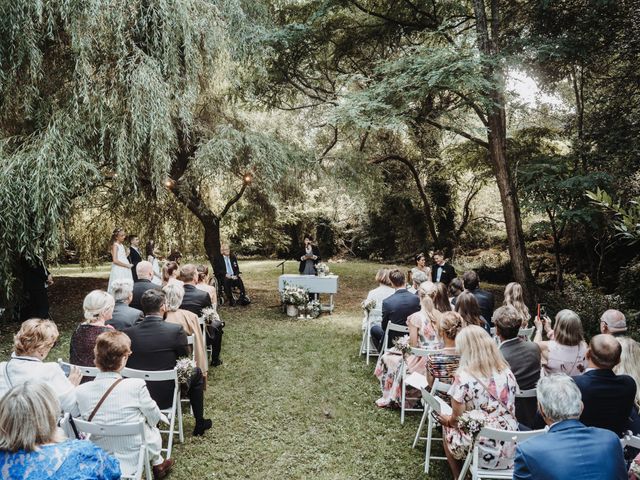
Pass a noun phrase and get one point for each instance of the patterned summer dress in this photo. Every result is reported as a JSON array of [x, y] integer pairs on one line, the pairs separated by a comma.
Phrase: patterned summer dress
[[468, 390]]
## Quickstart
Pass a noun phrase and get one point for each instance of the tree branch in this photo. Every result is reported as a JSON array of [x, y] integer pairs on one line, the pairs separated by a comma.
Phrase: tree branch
[[234, 200], [457, 131]]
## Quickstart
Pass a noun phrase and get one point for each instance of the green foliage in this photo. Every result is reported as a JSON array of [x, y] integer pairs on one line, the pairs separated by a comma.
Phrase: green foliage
[[625, 220]]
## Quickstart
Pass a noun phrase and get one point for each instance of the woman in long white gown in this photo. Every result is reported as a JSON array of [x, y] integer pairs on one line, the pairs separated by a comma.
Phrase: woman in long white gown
[[120, 266], [152, 258]]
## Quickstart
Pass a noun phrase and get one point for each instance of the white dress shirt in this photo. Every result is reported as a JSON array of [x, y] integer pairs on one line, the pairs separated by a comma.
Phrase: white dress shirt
[[21, 369], [128, 402]]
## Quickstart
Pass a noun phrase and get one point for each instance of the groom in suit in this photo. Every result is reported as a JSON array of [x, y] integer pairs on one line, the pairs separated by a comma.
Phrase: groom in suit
[[134, 255], [395, 308]]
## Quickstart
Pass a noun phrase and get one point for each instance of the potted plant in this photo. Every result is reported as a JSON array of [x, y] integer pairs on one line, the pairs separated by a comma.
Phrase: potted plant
[[293, 297]]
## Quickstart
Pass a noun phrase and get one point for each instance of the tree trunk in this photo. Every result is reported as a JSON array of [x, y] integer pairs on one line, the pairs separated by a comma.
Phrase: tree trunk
[[211, 238]]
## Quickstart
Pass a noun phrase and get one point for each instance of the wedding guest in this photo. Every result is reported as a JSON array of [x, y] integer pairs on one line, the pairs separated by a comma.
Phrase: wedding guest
[[613, 322], [33, 447], [188, 321], [416, 280], [523, 358], [98, 308], [468, 308], [485, 299], [36, 278], [31, 345], [569, 449], [228, 273], [484, 382], [170, 273], [128, 402], [421, 267], [566, 352], [123, 315], [630, 365], [608, 398], [513, 297], [152, 258], [144, 283], [120, 266], [203, 283], [441, 271], [309, 258], [443, 364], [378, 295], [157, 345], [455, 289], [135, 256], [441, 298], [395, 308], [389, 368]]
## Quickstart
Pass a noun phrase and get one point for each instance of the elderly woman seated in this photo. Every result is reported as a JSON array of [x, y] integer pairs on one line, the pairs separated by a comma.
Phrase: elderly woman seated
[[378, 295], [127, 402], [98, 308], [174, 294], [32, 446], [32, 344]]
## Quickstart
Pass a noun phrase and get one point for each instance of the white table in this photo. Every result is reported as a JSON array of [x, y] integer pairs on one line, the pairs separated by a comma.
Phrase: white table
[[327, 284]]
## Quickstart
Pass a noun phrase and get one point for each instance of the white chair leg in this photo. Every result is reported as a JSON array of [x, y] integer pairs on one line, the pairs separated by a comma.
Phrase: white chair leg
[[421, 426], [427, 451], [465, 466], [180, 430], [403, 389]]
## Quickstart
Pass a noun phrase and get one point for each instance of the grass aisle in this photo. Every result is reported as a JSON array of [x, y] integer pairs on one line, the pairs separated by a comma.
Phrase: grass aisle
[[293, 399]]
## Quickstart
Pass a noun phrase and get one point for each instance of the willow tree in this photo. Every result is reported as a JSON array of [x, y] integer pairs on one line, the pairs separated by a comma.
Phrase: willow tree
[[403, 66], [132, 96]]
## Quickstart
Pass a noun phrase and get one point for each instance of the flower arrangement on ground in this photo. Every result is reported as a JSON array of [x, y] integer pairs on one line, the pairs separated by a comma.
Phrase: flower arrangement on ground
[[294, 295], [185, 367], [313, 308], [322, 269]]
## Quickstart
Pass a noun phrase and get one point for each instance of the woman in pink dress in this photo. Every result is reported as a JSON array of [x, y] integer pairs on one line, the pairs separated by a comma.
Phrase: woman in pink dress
[[565, 351]]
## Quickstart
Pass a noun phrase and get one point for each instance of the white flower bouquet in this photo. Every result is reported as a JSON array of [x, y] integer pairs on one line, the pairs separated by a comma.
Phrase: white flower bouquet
[[322, 269], [472, 421], [210, 314], [313, 308], [402, 345], [368, 306], [294, 295], [185, 367]]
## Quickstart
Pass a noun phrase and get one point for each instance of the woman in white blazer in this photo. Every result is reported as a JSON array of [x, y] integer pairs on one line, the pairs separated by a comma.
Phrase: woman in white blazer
[[128, 402], [32, 344], [380, 293]]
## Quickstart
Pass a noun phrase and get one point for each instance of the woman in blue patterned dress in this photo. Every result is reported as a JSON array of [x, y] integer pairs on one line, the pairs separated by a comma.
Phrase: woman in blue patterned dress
[[32, 447]]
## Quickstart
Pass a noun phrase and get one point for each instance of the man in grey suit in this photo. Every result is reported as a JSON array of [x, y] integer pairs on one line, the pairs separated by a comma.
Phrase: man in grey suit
[[123, 315], [396, 308], [522, 356]]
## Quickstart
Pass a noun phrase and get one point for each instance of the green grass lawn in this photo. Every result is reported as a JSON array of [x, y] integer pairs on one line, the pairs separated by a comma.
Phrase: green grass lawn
[[293, 398]]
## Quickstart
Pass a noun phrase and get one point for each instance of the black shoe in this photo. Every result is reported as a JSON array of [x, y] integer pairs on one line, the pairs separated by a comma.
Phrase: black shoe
[[202, 426], [216, 363]]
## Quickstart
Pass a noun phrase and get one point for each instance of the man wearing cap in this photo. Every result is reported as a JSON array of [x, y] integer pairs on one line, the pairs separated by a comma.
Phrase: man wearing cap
[[613, 323]]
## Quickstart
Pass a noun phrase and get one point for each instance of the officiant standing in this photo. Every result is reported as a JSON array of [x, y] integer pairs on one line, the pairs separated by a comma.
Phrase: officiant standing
[[309, 258]]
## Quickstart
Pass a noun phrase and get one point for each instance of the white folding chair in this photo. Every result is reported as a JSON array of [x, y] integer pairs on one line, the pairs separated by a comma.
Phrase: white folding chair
[[419, 352], [437, 387], [366, 345], [392, 327], [190, 341], [527, 333], [471, 461], [175, 411], [531, 393], [122, 430], [432, 404], [629, 440], [86, 371], [208, 348]]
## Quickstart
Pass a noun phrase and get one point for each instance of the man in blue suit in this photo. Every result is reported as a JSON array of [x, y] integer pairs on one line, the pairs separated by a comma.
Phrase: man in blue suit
[[569, 449], [395, 308]]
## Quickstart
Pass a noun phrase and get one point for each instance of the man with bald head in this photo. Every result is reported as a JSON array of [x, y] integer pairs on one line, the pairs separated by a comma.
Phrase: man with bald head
[[144, 270], [613, 322], [608, 398]]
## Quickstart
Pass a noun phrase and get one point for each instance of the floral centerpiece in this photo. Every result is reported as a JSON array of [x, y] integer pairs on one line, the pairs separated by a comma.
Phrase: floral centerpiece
[[294, 296], [322, 269], [313, 309]]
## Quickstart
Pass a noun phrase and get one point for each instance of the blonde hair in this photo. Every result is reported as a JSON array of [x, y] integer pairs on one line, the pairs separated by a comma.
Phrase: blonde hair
[[96, 303], [630, 362], [568, 328], [28, 415], [382, 276], [173, 295], [432, 314], [479, 354], [34, 334], [450, 325], [513, 297]]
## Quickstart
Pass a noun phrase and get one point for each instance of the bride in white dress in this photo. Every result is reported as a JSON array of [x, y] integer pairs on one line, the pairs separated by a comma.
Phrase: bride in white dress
[[120, 266]]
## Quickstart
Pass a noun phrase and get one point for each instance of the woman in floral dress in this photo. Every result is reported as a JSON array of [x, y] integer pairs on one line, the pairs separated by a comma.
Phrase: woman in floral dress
[[483, 383], [389, 366]]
